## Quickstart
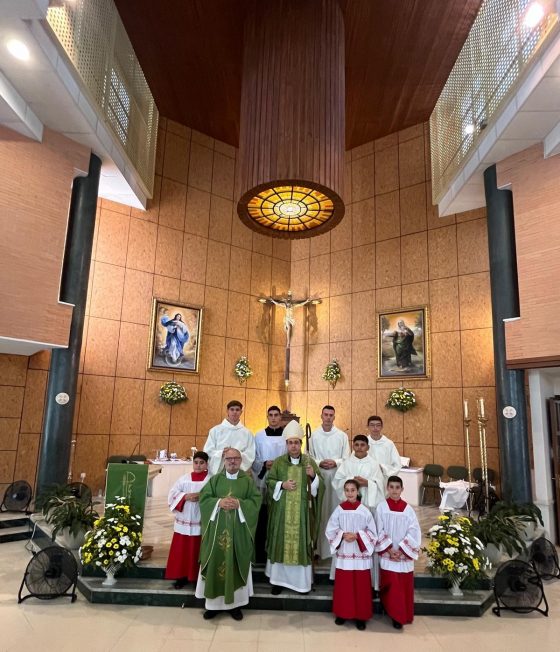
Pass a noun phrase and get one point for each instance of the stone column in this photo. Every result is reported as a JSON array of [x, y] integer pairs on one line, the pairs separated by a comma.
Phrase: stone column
[[510, 383], [56, 439]]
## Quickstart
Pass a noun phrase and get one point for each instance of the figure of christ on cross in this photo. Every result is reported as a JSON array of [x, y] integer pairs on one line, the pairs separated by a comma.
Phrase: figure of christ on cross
[[289, 304]]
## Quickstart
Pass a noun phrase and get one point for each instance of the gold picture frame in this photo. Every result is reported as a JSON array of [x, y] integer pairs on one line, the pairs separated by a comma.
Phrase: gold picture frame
[[403, 344], [175, 334]]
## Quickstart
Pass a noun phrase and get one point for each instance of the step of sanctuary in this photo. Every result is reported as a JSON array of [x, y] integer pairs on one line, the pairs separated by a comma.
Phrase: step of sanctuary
[[14, 526]]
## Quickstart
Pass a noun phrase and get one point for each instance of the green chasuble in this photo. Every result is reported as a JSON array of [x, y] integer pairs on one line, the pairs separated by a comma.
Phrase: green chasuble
[[293, 521], [227, 544]]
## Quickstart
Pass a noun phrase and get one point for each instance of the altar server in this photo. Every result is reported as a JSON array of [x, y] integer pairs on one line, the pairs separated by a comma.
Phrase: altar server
[[182, 564], [328, 446], [352, 536], [230, 433], [269, 444], [365, 471], [398, 545], [382, 449]]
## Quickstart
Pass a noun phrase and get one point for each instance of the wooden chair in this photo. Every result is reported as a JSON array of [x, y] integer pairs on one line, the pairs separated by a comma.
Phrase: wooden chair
[[432, 477]]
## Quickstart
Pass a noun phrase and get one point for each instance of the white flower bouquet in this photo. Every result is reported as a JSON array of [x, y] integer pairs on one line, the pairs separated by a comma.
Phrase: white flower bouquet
[[242, 369], [332, 373], [171, 393], [401, 399]]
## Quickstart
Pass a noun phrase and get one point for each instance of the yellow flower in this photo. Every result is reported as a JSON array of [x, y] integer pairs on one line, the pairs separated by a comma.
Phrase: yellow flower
[[125, 529], [108, 545], [116, 546], [475, 563], [111, 553], [443, 517]]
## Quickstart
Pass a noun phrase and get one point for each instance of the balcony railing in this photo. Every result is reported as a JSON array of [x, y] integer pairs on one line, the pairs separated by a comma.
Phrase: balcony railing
[[95, 41], [501, 45]]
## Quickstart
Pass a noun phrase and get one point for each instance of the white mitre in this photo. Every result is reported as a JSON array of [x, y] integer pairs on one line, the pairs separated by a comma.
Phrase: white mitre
[[292, 430]]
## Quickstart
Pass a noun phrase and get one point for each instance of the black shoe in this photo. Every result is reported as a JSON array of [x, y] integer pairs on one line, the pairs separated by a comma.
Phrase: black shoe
[[361, 625], [339, 621], [396, 624], [209, 614], [180, 583], [276, 590], [236, 613]]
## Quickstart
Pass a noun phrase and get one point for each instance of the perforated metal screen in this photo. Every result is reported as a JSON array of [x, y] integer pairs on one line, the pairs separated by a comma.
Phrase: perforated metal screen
[[497, 51], [94, 38]]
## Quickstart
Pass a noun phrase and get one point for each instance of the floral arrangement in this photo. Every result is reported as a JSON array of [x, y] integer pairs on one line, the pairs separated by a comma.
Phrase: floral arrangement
[[401, 399], [171, 393], [243, 369], [332, 373], [454, 551], [115, 538]]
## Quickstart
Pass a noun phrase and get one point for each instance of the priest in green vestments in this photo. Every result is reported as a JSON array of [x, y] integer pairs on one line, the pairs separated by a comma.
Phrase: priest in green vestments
[[295, 491], [229, 507]]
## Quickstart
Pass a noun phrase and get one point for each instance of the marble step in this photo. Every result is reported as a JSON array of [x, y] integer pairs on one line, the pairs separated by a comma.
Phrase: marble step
[[16, 533], [143, 591], [13, 519]]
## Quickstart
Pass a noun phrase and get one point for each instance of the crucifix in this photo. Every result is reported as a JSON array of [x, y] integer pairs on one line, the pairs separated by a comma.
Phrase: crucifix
[[289, 304]]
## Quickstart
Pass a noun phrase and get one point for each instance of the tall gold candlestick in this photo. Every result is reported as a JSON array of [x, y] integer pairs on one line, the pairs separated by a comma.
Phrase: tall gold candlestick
[[482, 420], [467, 422]]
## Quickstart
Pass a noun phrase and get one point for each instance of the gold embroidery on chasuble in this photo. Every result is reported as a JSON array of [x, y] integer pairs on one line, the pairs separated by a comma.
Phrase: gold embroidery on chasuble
[[222, 570], [292, 516], [225, 540]]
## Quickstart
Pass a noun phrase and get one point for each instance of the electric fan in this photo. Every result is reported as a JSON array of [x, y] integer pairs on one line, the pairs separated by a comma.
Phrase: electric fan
[[544, 558], [80, 491], [518, 588], [50, 574], [17, 497]]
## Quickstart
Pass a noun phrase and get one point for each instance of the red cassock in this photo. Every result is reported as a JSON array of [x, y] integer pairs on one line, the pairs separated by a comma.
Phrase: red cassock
[[183, 561]]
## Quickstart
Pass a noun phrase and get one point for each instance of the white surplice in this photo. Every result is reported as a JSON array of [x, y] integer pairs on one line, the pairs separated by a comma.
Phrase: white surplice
[[267, 447], [347, 553], [331, 445], [187, 521], [397, 531], [386, 454], [367, 468], [226, 435]]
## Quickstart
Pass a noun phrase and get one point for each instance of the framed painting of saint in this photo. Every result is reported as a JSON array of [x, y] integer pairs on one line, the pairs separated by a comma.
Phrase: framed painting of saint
[[403, 344], [175, 333]]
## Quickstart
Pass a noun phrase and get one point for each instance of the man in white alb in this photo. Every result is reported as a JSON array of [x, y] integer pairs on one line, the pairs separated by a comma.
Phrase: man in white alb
[[231, 433], [328, 446], [382, 449], [365, 471]]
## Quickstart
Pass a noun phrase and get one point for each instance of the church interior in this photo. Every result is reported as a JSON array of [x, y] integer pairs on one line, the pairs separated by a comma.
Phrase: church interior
[[295, 180]]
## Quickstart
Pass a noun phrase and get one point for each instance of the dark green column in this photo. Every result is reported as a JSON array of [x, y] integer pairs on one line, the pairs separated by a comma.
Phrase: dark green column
[[510, 383], [56, 440]]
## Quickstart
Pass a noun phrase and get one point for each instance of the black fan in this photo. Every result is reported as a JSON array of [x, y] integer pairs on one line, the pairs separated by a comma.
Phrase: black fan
[[50, 574], [518, 588], [81, 491], [17, 497], [544, 558]]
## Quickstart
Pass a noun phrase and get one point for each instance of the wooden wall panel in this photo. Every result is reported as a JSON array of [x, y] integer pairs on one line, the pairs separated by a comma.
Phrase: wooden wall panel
[[534, 340]]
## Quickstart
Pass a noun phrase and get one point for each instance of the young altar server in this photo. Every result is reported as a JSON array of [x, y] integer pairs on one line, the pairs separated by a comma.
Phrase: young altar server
[[352, 535], [398, 545], [182, 564]]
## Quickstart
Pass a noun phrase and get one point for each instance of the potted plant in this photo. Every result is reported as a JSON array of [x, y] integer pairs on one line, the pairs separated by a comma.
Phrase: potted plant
[[50, 496], [455, 551], [529, 514], [501, 536], [115, 540], [70, 519]]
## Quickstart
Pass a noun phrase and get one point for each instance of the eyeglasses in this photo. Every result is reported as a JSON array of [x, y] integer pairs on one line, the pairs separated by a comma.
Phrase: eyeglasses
[[231, 459]]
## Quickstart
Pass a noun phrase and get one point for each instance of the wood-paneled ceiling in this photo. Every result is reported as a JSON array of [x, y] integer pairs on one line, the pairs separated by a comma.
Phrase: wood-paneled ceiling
[[398, 56]]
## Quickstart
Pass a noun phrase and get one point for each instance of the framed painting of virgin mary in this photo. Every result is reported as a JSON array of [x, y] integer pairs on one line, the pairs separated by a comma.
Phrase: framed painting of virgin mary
[[175, 333]]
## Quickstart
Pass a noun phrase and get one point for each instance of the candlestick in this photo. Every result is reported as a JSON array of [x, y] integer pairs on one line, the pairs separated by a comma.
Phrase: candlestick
[[466, 409], [480, 402]]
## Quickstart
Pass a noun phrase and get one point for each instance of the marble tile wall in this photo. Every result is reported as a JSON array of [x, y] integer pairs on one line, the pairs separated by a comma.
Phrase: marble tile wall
[[390, 250]]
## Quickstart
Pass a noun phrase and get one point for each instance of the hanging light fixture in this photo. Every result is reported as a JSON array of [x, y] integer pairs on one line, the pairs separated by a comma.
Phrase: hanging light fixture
[[290, 169]]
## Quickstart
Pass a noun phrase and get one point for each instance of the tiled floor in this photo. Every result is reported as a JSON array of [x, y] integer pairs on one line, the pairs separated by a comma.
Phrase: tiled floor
[[58, 626]]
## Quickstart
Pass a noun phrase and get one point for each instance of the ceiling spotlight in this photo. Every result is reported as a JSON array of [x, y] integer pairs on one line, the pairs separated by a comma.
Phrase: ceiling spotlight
[[533, 15], [469, 129], [18, 49]]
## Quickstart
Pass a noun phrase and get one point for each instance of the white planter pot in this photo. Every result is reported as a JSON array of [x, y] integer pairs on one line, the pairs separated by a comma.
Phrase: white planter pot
[[68, 540]]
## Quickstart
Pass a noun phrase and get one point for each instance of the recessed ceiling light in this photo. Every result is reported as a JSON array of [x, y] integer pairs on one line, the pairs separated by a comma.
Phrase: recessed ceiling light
[[533, 15], [469, 129], [18, 49]]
